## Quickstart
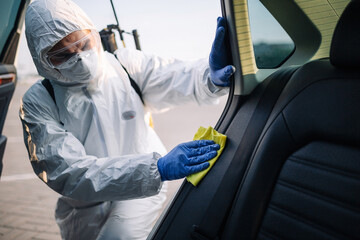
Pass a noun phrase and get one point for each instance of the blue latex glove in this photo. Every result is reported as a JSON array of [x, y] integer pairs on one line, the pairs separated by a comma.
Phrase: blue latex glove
[[187, 158], [220, 71]]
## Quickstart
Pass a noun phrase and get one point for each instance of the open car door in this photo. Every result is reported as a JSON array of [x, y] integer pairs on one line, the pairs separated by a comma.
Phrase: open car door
[[290, 169], [11, 20]]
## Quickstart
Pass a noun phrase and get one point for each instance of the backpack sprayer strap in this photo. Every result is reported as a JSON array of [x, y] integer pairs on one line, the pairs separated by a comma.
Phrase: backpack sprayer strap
[[47, 84], [109, 44], [132, 82]]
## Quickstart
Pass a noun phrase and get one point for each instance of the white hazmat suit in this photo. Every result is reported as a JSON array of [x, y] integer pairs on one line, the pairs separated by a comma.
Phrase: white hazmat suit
[[93, 145]]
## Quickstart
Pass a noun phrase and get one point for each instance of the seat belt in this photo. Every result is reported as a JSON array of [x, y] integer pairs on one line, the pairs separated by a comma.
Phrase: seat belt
[[215, 215]]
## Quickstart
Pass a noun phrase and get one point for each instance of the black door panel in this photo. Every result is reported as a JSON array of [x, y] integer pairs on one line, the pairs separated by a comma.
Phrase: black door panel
[[7, 87], [11, 21]]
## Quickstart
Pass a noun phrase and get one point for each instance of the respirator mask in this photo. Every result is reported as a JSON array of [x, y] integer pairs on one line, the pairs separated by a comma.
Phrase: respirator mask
[[78, 61]]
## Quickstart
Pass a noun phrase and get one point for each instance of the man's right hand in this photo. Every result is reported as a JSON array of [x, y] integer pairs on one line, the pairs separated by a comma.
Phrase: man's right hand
[[220, 68], [187, 158]]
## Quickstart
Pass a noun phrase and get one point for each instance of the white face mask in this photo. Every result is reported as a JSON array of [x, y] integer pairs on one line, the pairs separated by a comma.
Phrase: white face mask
[[81, 68]]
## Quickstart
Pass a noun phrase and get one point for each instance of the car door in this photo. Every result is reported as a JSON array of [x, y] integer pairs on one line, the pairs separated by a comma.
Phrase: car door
[[11, 20], [264, 64]]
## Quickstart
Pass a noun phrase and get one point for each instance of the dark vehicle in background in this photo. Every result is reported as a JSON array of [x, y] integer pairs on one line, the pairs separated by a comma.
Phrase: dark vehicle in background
[[12, 14], [291, 167]]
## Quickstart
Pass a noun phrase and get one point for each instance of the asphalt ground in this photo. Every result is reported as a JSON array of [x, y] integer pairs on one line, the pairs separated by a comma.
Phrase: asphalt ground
[[27, 204]]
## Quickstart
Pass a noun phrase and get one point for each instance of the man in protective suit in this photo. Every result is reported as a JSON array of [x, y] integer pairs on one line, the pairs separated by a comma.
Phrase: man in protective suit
[[91, 143]]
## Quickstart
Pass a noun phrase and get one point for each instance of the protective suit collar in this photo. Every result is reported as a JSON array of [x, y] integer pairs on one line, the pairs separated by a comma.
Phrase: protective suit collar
[[46, 23]]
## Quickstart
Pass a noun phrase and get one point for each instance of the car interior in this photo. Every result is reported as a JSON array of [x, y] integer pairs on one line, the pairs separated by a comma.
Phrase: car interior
[[11, 17], [291, 166]]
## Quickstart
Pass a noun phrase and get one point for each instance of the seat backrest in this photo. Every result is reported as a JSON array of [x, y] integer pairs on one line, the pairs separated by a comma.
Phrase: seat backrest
[[303, 181]]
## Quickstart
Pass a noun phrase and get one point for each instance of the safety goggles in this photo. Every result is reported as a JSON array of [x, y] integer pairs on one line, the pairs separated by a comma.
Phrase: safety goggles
[[68, 55]]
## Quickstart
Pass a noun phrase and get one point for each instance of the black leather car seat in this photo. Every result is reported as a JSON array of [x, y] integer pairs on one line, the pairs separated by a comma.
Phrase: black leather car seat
[[303, 181]]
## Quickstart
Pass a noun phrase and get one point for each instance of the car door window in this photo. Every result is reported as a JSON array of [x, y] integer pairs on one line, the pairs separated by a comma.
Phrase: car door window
[[271, 44], [8, 13]]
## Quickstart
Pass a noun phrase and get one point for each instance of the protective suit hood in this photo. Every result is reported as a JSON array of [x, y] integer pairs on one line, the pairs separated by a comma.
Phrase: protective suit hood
[[47, 22]]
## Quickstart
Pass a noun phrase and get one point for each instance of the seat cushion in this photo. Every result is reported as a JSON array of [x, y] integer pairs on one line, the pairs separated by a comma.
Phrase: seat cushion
[[316, 196]]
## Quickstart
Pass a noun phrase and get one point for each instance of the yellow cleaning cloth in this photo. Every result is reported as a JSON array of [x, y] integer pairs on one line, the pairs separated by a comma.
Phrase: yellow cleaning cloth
[[207, 134]]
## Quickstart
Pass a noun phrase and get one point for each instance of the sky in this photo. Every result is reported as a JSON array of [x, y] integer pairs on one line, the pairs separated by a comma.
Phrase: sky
[[183, 29]]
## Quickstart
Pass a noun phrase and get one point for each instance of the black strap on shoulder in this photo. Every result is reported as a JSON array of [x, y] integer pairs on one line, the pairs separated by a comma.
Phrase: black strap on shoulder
[[133, 83], [46, 83], [210, 227]]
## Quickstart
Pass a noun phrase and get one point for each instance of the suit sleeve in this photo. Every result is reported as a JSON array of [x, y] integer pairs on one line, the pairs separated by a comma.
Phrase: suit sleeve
[[60, 160], [170, 82]]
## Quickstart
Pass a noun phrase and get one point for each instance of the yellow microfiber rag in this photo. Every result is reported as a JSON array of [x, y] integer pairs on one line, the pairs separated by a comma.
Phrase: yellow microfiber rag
[[207, 134]]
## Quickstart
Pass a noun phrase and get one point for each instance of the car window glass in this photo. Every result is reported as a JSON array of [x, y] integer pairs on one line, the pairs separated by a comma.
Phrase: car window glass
[[272, 45], [8, 12]]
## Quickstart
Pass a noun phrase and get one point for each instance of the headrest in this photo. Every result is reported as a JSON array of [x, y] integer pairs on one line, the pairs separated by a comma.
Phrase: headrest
[[345, 45]]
